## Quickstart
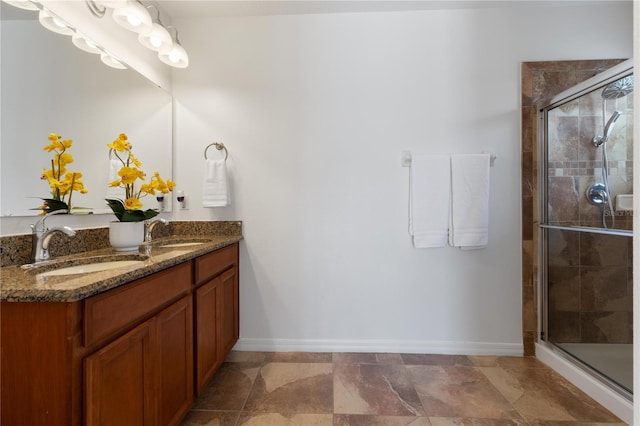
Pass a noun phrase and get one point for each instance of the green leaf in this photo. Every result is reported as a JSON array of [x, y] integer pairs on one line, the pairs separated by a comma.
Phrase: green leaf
[[53, 205], [132, 216], [123, 215], [117, 207]]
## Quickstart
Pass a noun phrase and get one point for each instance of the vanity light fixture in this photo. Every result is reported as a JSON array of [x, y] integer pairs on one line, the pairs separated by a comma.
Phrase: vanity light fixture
[[22, 4], [83, 43], [130, 14], [53, 23], [176, 56], [158, 39], [134, 17], [109, 60]]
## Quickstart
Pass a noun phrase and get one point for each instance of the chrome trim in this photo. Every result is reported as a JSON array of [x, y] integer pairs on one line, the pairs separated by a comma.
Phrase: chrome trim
[[599, 80], [97, 10], [605, 231]]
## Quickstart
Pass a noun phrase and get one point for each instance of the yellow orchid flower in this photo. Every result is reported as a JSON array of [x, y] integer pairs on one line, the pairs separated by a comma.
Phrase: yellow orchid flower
[[61, 188], [132, 204], [46, 174], [120, 144], [146, 188], [134, 160], [63, 159], [128, 175], [74, 179]]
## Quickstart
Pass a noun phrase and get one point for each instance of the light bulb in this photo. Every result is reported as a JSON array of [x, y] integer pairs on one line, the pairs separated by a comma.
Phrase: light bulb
[[134, 21], [158, 39], [176, 56], [133, 17], [112, 62], [53, 23], [155, 41], [83, 43]]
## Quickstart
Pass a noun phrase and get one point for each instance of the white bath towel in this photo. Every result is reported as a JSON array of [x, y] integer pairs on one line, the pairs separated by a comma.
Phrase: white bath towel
[[469, 201], [114, 191], [429, 200], [215, 190]]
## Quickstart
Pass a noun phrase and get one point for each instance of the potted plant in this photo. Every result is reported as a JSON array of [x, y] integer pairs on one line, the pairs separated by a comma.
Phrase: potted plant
[[127, 233], [62, 182]]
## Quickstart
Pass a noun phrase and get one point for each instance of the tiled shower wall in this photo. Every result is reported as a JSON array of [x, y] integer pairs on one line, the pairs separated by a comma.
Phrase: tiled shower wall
[[589, 275], [574, 163], [541, 81], [590, 288]]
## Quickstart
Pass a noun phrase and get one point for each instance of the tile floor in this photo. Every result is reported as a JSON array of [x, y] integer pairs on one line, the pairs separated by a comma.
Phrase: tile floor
[[344, 389]]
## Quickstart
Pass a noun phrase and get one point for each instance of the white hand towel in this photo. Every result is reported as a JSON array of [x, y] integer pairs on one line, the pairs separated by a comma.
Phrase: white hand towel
[[114, 191], [429, 200], [215, 192], [469, 201]]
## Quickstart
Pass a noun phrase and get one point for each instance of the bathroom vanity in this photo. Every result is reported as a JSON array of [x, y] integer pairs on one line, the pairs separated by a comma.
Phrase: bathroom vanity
[[130, 346]]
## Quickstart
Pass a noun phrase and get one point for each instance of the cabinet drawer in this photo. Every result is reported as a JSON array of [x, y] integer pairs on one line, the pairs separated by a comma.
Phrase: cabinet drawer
[[111, 312], [212, 264]]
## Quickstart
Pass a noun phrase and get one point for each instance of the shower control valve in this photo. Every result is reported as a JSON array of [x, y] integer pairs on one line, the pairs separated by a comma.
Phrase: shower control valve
[[597, 194]]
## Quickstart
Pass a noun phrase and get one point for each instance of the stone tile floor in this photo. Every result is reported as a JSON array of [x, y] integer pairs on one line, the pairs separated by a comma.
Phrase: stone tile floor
[[363, 389]]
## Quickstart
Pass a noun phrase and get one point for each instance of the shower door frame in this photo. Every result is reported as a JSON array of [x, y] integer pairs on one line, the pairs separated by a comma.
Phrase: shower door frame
[[543, 227]]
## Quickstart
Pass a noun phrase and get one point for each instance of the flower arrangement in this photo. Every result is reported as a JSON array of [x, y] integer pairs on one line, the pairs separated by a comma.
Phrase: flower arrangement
[[130, 210], [61, 182]]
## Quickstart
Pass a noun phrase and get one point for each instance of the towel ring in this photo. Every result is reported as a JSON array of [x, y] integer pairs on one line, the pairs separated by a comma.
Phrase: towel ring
[[219, 146]]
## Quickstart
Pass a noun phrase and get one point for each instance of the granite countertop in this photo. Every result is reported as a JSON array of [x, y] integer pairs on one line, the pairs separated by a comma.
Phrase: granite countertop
[[24, 285]]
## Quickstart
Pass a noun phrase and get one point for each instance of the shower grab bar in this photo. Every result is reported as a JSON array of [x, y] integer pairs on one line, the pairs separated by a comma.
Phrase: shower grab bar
[[405, 159], [616, 232]]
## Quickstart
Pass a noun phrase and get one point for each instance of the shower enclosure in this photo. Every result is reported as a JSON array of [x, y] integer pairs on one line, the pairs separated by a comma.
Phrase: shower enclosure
[[586, 225]]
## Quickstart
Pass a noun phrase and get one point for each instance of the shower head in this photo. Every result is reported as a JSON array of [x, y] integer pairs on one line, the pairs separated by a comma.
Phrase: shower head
[[612, 120], [618, 88], [599, 140]]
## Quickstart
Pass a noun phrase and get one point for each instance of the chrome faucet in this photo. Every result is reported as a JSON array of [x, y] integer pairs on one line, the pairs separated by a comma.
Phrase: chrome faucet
[[149, 225], [41, 236]]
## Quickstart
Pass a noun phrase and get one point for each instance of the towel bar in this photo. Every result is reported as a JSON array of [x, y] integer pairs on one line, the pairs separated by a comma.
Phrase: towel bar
[[405, 159], [219, 146]]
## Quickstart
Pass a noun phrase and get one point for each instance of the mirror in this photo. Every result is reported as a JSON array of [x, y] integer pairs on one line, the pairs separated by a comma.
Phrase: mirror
[[50, 86]]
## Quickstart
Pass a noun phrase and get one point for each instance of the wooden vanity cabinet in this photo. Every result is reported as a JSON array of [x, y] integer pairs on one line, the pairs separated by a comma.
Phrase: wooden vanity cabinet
[[146, 376], [143, 377], [216, 311], [127, 356]]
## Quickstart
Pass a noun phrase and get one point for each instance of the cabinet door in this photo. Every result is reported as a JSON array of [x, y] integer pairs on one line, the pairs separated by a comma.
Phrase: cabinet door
[[207, 340], [175, 360], [119, 380], [228, 330]]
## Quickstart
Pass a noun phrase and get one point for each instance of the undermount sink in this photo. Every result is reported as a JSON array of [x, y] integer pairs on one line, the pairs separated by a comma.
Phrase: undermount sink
[[91, 267], [188, 244], [84, 265]]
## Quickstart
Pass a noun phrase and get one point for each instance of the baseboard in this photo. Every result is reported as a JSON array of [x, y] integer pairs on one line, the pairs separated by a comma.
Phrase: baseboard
[[605, 396], [379, 346]]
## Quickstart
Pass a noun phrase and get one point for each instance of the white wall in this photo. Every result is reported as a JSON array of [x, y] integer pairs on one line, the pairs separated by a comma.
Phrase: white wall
[[315, 110]]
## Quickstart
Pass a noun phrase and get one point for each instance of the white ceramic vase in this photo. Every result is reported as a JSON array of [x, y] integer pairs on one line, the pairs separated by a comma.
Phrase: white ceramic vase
[[126, 236]]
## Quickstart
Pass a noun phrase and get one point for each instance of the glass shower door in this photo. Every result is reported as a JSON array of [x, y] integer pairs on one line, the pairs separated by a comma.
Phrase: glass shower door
[[586, 222]]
